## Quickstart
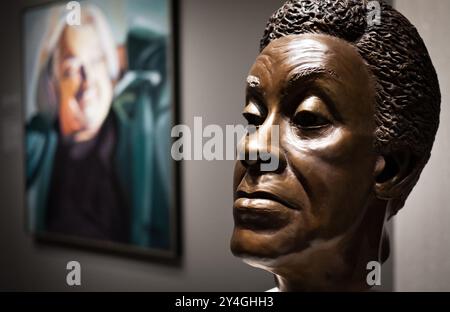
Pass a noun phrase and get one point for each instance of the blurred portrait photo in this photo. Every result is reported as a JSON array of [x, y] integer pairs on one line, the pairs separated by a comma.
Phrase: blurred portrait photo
[[98, 110]]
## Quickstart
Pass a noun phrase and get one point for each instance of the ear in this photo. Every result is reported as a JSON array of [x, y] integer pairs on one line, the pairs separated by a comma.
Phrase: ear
[[394, 174]]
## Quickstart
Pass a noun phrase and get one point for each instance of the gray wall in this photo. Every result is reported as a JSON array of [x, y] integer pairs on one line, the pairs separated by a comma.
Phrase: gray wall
[[219, 41], [421, 229]]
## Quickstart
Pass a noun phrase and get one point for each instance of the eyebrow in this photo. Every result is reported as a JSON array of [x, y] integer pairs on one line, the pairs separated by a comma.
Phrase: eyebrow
[[254, 89], [311, 73], [253, 86], [254, 83]]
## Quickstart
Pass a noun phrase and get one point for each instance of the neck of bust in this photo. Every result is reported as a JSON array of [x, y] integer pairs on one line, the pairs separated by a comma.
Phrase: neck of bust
[[338, 264]]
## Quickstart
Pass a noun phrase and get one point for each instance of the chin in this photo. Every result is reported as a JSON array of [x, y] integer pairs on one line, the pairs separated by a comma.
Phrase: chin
[[261, 248]]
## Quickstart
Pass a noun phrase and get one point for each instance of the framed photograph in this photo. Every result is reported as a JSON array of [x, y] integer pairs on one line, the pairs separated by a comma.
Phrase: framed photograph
[[99, 102]]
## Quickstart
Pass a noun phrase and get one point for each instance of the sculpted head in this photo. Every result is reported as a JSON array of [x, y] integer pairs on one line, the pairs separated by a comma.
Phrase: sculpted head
[[357, 108]]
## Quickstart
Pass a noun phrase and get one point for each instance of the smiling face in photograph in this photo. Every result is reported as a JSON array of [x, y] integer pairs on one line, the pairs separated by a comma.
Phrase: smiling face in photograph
[[318, 91], [84, 86]]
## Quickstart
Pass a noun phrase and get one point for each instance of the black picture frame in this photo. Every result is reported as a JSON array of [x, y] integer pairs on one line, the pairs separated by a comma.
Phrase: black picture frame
[[171, 256]]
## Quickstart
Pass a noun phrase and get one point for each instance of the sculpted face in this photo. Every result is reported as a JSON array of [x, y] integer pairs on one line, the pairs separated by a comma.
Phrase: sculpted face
[[317, 89], [84, 86]]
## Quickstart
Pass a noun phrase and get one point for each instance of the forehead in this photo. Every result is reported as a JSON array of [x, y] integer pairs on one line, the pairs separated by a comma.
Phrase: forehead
[[79, 40], [288, 54], [297, 53]]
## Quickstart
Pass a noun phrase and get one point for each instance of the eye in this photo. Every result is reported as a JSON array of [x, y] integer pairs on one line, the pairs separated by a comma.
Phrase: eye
[[252, 119], [312, 114], [69, 72], [307, 120], [253, 114], [70, 68]]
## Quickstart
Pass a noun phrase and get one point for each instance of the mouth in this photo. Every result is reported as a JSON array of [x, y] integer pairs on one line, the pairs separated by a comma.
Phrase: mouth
[[264, 195], [261, 211]]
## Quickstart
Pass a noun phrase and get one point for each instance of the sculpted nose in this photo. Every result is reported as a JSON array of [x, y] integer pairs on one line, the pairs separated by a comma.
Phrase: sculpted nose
[[261, 149]]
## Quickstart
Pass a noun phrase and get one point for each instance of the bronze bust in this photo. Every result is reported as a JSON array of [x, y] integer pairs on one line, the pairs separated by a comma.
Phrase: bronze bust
[[357, 106]]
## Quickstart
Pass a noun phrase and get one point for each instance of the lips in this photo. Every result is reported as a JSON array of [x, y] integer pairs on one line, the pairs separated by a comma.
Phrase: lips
[[261, 194], [261, 210]]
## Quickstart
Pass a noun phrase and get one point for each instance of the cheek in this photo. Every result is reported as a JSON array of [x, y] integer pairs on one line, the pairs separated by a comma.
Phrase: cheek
[[336, 172], [104, 87], [101, 75]]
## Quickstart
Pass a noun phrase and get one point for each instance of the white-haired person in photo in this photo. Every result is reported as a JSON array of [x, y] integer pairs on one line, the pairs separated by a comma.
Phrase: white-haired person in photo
[[82, 66], [93, 168]]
